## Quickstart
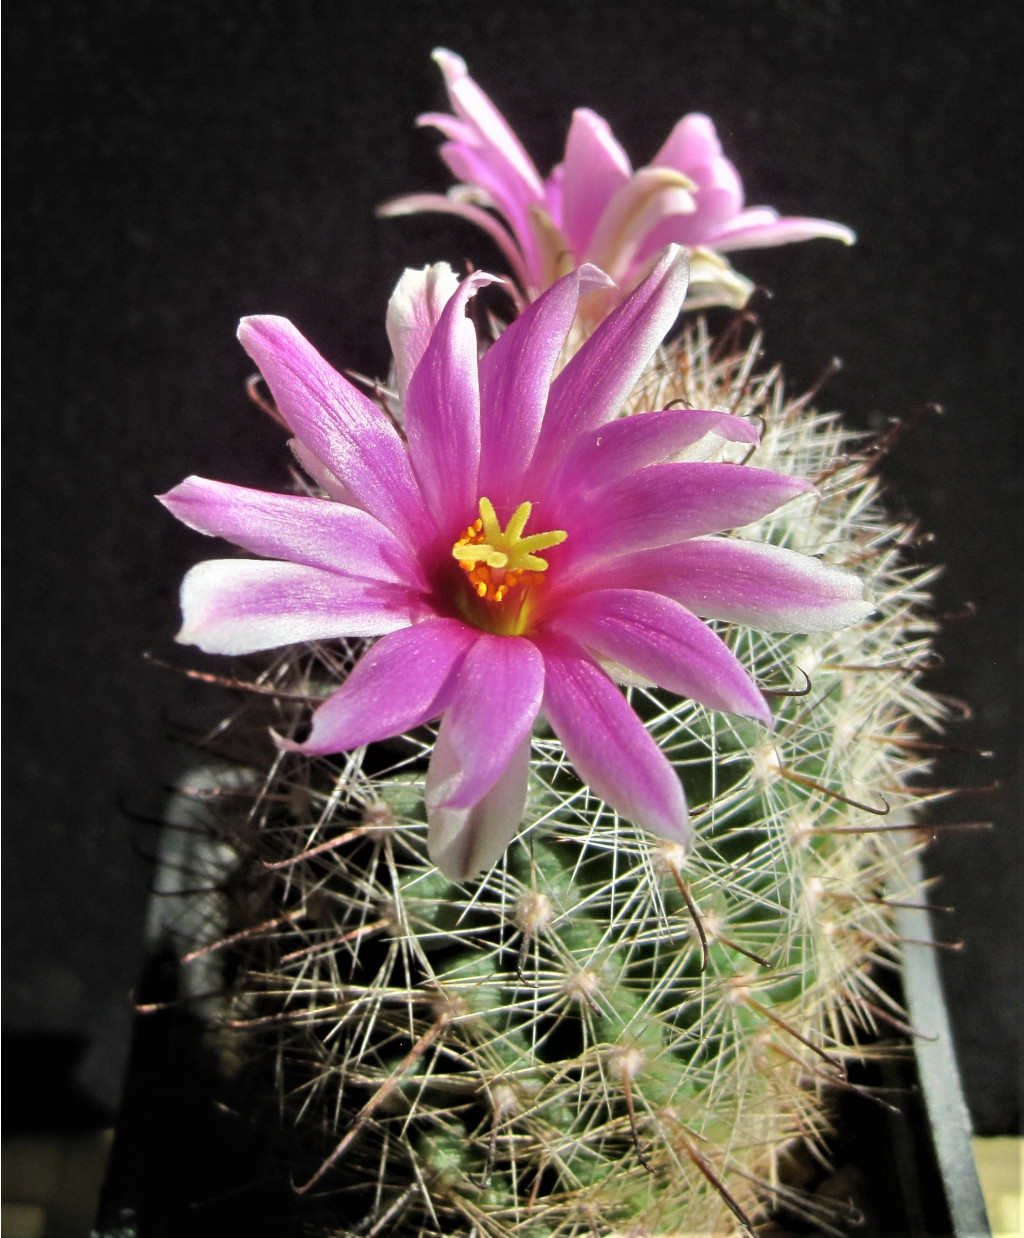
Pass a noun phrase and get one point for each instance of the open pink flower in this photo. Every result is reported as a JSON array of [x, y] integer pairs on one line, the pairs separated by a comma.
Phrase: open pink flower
[[520, 537], [594, 207]]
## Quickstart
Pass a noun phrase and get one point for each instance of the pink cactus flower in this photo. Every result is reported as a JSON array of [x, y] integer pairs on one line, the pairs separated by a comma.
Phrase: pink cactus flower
[[593, 207], [519, 538]]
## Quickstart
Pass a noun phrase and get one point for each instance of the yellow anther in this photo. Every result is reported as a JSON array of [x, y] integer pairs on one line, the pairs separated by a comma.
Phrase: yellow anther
[[497, 560]]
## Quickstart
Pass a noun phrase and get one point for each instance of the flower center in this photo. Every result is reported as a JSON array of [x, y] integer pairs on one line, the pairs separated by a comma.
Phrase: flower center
[[498, 560]]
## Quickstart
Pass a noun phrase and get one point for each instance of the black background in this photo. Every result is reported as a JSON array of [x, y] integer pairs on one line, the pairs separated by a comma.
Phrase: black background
[[172, 167]]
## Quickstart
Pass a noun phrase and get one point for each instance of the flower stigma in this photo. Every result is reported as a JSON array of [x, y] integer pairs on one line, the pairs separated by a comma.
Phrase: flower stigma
[[497, 561]]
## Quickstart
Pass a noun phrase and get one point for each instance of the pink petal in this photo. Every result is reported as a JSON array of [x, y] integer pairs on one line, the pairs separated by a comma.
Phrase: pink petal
[[661, 641], [486, 153], [515, 379], [608, 744], [718, 197], [604, 455], [442, 414], [753, 583], [316, 532], [345, 431], [413, 203], [242, 605], [495, 699], [693, 143], [489, 187], [401, 682], [666, 503], [650, 197], [693, 148], [760, 227], [595, 167], [466, 841], [413, 312], [593, 386], [474, 107], [553, 194]]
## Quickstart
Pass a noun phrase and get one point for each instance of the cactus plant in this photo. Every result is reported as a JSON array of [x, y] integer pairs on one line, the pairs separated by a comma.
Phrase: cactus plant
[[502, 983], [603, 1034]]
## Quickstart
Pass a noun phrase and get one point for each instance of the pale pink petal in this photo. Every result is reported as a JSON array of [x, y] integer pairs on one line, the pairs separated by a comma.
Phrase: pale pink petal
[[490, 188], [662, 642], [442, 414], [473, 107], [593, 386], [693, 143], [495, 700], [753, 583], [720, 221], [666, 503], [348, 433], [466, 841], [454, 130], [401, 682], [607, 743], [595, 167], [486, 153], [515, 378], [413, 203], [716, 205], [650, 197], [554, 193], [316, 532], [761, 227], [413, 312], [241, 605], [602, 456]]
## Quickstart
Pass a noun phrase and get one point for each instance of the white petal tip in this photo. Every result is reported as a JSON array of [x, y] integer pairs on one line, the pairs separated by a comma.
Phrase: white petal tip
[[450, 64]]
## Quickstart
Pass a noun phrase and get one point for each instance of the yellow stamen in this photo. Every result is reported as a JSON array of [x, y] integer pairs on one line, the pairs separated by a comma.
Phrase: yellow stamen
[[496, 560]]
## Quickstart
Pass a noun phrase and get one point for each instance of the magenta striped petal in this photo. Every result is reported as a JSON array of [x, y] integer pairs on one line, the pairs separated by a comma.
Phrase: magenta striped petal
[[495, 699], [466, 841], [593, 387], [607, 743], [666, 503], [753, 583], [663, 642], [442, 414], [316, 532], [595, 167], [242, 605], [608, 453], [338, 424], [515, 377], [401, 682]]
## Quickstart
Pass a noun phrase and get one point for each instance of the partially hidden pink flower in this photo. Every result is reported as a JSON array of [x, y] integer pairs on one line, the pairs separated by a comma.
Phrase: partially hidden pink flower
[[593, 207], [519, 539]]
